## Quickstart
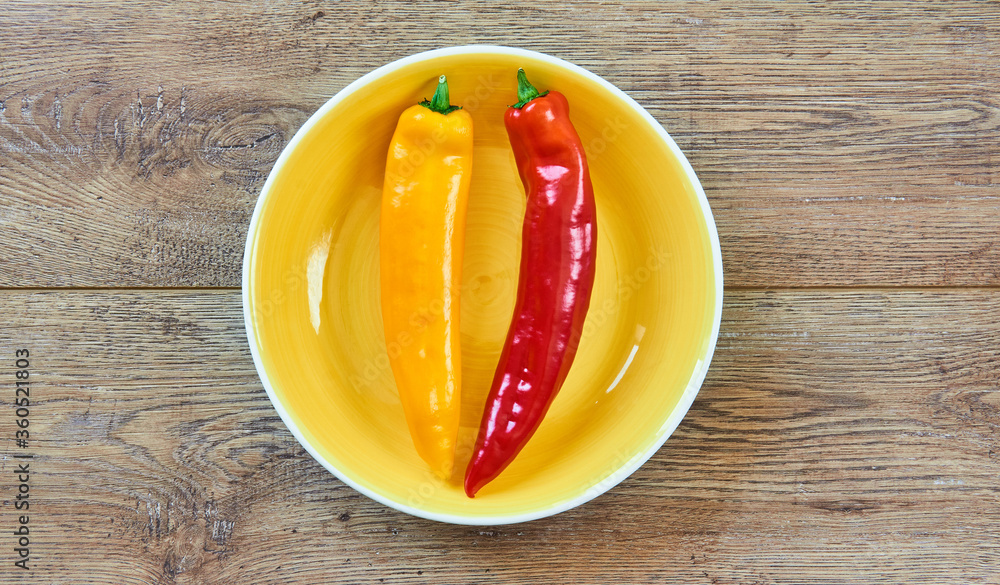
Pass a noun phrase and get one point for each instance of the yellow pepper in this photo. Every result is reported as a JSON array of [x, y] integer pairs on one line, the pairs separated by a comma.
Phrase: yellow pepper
[[422, 233]]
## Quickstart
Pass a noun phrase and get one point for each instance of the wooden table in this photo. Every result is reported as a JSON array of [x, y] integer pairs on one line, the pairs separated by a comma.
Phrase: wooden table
[[849, 428]]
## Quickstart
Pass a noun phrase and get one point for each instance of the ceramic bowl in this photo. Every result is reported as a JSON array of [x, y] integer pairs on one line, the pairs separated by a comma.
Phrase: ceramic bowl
[[311, 290]]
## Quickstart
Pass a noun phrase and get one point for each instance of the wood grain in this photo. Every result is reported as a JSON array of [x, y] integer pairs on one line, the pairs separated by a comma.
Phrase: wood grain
[[841, 437], [846, 144]]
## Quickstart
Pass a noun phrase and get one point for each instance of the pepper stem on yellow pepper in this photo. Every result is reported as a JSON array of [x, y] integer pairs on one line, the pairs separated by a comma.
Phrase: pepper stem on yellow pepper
[[440, 103]]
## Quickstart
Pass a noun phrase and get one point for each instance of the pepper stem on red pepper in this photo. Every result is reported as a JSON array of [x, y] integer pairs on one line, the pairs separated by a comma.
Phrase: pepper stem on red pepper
[[525, 91], [440, 103]]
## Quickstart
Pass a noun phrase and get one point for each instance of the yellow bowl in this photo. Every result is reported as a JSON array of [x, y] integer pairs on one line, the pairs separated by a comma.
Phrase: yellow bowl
[[311, 290]]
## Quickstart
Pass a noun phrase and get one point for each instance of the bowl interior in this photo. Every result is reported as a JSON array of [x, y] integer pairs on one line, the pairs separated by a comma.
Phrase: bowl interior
[[312, 292]]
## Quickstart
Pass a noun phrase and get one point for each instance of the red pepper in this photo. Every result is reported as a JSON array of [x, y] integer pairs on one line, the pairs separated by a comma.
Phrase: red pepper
[[558, 253]]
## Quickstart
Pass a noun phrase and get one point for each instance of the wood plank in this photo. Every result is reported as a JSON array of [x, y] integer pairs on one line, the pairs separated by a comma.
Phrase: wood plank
[[839, 145], [841, 437]]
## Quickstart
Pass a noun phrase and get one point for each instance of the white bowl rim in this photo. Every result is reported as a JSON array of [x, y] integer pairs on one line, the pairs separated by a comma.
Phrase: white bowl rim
[[694, 384]]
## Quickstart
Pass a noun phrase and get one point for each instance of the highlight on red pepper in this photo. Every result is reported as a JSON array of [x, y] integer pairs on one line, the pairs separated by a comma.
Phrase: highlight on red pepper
[[555, 280]]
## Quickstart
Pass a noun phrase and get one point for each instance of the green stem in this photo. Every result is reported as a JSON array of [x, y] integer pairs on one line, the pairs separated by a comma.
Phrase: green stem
[[525, 91], [440, 103]]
